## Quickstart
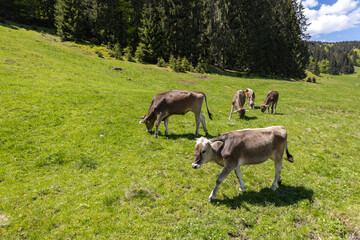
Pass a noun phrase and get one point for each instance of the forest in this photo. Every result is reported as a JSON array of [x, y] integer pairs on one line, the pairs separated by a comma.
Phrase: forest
[[266, 37], [333, 58]]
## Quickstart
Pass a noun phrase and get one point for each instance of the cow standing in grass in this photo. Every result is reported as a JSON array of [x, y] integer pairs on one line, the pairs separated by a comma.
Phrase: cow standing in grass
[[238, 103], [271, 99], [175, 102], [250, 96], [243, 147]]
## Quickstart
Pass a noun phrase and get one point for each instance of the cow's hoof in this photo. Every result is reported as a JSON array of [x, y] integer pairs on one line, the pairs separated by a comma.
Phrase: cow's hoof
[[211, 199]]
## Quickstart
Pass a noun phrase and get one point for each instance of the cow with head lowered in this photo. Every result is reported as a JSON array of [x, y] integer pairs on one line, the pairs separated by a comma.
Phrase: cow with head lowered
[[250, 96], [238, 103], [175, 102], [243, 147], [271, 99]]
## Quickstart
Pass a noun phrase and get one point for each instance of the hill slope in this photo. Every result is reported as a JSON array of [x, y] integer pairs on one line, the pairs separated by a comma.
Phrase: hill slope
[[75, 163]]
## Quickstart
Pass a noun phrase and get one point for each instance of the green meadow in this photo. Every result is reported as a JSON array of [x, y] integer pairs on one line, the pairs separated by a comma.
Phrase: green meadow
[[76, 164]]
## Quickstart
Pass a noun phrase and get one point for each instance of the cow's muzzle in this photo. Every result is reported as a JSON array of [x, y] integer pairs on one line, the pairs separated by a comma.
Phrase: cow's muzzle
[[195, 165]]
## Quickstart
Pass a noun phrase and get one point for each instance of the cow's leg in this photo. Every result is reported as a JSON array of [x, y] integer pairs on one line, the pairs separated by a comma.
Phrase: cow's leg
[[202, 119], [272, 107], [231, 112], [238, 174], [219, 180], [166, 123], [197, 121], [158, 121], [278, 167], [275, 107]]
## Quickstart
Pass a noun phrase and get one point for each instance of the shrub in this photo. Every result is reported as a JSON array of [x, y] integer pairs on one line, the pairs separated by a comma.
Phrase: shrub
[[172, 62], [99, 53], [127, 54], [202, 67], [161, 62], [185, 65], [179, 66], [116, 51], [175, 64], [140, 53]]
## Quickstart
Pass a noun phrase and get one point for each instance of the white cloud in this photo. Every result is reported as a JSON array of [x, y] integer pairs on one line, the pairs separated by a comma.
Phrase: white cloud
[[310, 3], [342, 15]]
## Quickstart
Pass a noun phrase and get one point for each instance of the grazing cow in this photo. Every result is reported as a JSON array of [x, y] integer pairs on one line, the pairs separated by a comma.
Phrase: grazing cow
[[272, 98], [175, 102], [250, 95], [243, 147], [238, 102]]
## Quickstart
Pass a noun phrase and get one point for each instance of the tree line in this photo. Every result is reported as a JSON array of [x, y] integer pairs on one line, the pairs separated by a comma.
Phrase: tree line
[[266, 37], [334, 58]]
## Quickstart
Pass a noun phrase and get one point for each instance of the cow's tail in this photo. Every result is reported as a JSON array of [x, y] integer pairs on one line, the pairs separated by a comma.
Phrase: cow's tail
[[210, 115], [289, 157]]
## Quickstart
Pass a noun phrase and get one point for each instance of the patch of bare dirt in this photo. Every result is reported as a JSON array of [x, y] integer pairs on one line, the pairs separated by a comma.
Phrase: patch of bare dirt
[[187, 82]]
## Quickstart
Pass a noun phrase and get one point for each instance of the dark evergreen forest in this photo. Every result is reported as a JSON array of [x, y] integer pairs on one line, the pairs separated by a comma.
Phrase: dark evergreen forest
[[265, 37]]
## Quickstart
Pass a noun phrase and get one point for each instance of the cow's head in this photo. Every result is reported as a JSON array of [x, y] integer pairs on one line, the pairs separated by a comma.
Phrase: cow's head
[[263, 107], [205, 151], [148, 121], [241, 112]]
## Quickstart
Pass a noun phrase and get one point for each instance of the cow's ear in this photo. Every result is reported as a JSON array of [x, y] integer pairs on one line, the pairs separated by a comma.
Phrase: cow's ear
[[216, 145]]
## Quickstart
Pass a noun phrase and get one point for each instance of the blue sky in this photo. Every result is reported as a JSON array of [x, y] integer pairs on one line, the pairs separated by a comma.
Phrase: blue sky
[[333, 20]]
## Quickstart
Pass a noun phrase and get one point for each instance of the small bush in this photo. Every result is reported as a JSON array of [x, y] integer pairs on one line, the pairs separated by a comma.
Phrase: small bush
[[175, 64], [185, 64], [202, 67], [161, 62], [116, 52], [140, 53], [179, 66], [99, 53], [127, 54], [172, 61]]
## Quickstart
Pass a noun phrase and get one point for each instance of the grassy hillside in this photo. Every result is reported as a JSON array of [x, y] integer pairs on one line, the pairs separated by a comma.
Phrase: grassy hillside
[[75, 162]]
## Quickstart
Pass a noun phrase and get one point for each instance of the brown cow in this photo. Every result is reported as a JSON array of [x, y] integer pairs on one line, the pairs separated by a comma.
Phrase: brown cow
[[250, 95], [272, 98], [243, 147], [238, 102], [175, 102]]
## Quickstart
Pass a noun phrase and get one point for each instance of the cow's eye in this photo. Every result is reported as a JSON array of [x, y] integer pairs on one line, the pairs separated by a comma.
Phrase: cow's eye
[[203, 151]]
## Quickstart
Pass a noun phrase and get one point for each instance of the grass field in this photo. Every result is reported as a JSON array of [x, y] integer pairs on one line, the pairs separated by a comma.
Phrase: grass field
[[76, 164]]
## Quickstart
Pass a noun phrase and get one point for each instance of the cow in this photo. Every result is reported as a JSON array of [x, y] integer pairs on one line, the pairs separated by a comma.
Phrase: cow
[[272, 98], [238, 102], [243, 147], [175, 102], [250, 96]]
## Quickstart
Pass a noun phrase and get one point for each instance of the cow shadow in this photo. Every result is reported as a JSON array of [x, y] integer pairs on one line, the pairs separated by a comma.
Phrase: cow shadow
[[189, 136], [283, 196], [247, 118]]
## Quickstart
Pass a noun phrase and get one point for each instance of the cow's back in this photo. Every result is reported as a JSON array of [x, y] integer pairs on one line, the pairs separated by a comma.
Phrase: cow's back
[[252, 146], [178, 101]]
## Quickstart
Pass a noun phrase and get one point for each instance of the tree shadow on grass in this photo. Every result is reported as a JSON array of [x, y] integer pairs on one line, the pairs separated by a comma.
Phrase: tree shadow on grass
[[283, 196]]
